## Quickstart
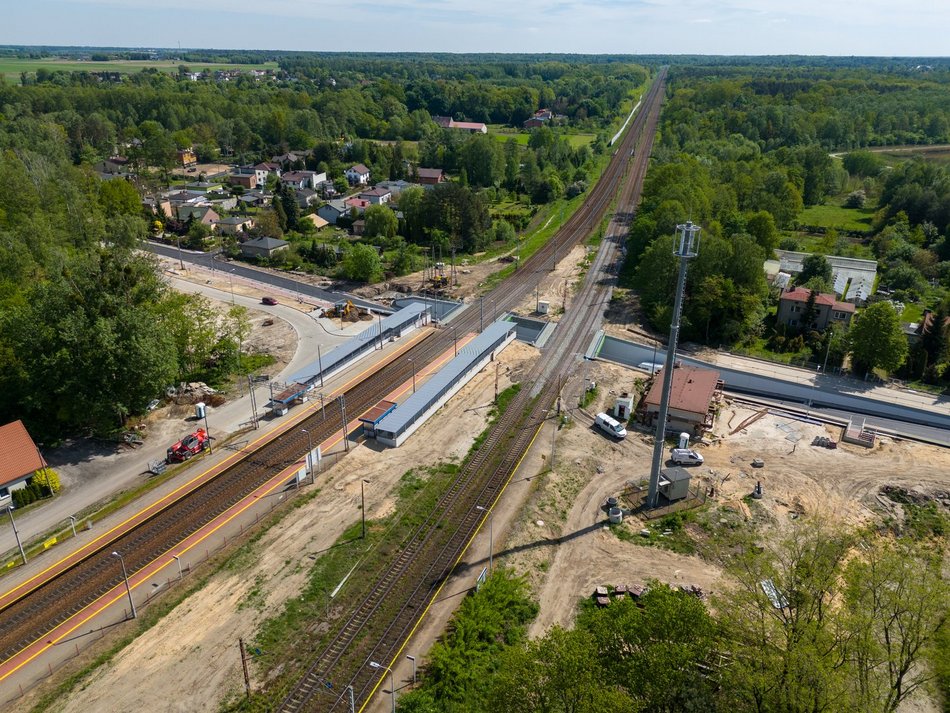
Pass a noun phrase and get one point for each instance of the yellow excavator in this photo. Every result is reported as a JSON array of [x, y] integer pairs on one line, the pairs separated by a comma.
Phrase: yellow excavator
[[343, 310]]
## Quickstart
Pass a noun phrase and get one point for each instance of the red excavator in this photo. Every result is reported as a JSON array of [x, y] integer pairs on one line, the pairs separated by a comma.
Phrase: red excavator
[[190, 445]]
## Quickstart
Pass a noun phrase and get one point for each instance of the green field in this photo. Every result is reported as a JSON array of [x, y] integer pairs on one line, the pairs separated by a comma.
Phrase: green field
[[11, 69], [837, 217], [503, 133]]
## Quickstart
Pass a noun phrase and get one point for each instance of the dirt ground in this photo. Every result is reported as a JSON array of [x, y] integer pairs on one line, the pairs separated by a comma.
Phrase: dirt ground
[[192, 650]]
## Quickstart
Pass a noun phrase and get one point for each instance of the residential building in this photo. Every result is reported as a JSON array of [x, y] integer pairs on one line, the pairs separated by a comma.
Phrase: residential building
[[357, 175], [20, 459], [376, 196], [332, 210], [186, 157], [315, 219], [306, 197], [234, 224], [255, 199], [302, 179], [793, 304], [114, 166], [694, 398], [244, 177], [358, 203], [540, 118], [203, 214], [263, 247], [472, 127], [395, 187], [430, 176]]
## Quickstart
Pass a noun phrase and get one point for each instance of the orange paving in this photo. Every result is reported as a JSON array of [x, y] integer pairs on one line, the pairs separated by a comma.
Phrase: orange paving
[[141, 576]]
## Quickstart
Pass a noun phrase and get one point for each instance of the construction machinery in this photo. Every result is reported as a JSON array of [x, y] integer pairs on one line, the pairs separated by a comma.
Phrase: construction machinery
[[190, 445], [344, 311]]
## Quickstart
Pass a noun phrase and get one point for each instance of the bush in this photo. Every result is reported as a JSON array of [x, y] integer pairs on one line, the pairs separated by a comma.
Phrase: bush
[[49, 480], [856, 199]]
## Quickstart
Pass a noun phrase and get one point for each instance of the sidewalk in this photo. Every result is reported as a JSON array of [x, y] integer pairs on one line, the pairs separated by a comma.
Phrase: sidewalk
[[842, 384]]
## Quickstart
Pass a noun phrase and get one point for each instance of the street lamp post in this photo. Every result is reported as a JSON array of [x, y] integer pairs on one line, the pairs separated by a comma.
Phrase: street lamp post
[[491, 536], [16, 534], [392, 679], [128, 588], [413, 659], [181, 574], [72, 524], [413, 374], [231, 282], [455, 334], [363, 505]]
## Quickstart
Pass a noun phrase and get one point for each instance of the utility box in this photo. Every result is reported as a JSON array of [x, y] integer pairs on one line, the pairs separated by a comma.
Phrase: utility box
[[200, 410], [544, 307], [623, 407], [674, 483]]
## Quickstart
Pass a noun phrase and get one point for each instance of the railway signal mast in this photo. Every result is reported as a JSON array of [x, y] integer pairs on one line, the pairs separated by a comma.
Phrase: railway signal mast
[[685, 251]]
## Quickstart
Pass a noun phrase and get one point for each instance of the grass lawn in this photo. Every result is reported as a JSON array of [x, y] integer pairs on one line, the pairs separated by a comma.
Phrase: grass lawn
[[11, 68], [838, 217]]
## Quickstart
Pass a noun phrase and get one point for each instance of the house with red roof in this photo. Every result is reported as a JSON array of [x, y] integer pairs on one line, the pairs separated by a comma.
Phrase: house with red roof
[[19, 459], [793, 304]]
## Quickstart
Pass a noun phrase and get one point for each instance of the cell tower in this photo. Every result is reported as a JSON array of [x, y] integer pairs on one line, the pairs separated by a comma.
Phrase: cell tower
[[688, 245]]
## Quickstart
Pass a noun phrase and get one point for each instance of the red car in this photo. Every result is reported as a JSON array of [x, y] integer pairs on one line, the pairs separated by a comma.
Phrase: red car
[[268, 300]]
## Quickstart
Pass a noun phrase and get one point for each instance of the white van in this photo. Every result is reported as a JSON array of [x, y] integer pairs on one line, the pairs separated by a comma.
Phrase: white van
[[685, 456], [610, 425], [651, 366]]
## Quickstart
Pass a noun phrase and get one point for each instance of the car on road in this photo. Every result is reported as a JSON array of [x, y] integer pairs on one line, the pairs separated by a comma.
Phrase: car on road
[[268, 300]]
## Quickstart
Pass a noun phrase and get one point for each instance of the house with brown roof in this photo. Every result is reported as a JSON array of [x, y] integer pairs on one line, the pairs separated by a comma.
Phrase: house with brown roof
[[19, 459], [694, 398], [243, 176], [430, 176], [793, 304]]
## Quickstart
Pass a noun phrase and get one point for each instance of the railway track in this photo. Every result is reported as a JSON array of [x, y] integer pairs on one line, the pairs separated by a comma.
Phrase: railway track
[[379, 624], [40, 609]]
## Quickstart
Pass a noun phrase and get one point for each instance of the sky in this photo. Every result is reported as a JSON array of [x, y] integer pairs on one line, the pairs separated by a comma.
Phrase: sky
[[747, 27]]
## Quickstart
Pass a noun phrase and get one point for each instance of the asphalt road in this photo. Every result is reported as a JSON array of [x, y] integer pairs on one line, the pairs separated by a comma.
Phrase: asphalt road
[[208, 261]]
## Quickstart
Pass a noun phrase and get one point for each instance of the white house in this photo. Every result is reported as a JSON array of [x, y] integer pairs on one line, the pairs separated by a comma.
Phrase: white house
[[357, 174]]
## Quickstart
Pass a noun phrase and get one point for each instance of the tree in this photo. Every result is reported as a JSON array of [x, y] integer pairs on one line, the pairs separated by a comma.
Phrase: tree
[[361, 262], [380, 222], [896, 604], [815, 265], [91, 338], [119, 197], [761, 226], [877, 340]]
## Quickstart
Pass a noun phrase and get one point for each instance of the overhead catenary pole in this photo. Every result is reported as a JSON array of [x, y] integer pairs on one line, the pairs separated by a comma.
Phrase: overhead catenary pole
[[320, 365], [16, 534], [346, 439], [685, 251]]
